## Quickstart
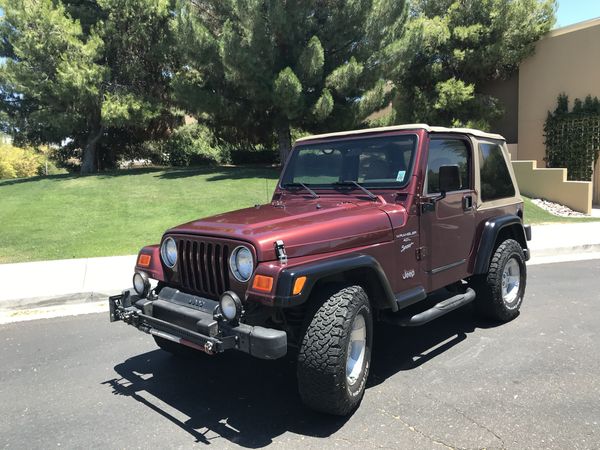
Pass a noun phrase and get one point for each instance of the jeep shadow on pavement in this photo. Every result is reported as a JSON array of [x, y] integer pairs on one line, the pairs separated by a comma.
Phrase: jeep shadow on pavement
[[208, 399], [363, 227]]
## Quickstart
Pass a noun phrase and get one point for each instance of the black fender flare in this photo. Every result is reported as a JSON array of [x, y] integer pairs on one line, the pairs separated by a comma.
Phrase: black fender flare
[[489, 236], [318, 270]]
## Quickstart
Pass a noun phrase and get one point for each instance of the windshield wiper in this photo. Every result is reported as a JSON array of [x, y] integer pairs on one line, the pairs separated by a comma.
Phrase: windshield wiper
[[359, 186], [302, 185]]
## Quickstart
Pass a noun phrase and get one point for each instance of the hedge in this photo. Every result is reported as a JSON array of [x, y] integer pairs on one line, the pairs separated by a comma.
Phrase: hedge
[[572, 138]]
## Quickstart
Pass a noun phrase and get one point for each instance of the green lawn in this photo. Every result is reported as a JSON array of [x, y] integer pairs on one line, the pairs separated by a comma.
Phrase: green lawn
[[536, 215], [67, 216]]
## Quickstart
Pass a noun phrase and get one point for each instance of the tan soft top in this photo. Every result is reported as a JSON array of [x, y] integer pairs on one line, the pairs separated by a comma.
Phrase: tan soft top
[[412, 126]]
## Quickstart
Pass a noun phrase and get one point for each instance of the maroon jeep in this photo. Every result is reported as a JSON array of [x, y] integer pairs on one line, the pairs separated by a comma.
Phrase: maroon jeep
[[364, 226]]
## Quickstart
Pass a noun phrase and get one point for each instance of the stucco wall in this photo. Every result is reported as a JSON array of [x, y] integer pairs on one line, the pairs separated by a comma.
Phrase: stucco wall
[[552, 184], [513, 151], [596, 181], [566, 60]]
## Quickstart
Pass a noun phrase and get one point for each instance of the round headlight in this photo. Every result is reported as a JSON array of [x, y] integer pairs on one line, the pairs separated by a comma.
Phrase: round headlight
[[231, 306], [141, 284], [241, 263], [168, 252]]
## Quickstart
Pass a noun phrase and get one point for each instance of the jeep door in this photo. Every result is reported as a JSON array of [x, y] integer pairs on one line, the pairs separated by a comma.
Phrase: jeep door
[[447, 219]]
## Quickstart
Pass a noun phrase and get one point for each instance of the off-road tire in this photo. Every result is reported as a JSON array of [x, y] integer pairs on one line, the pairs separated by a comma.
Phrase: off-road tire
[[489, 301], [321, 369], [181, 351]]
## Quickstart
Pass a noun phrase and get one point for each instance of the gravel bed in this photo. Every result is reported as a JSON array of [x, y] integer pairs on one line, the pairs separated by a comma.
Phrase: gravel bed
[[556, 208]]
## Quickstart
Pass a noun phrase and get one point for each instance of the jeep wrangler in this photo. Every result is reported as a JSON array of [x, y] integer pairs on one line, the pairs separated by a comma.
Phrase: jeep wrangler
[[399, 224]]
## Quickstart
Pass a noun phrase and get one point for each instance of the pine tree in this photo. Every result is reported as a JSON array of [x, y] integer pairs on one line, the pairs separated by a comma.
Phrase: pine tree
[[91, 75], [451, 47], [257, 68]]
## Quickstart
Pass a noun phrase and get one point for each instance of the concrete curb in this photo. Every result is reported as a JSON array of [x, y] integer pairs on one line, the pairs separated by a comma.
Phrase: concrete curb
[[43, 302], [88, 280], [36, 282], [575, 250], [541, 256]]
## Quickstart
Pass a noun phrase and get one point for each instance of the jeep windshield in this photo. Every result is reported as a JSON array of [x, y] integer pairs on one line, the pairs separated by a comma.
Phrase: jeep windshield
[[374, 162]]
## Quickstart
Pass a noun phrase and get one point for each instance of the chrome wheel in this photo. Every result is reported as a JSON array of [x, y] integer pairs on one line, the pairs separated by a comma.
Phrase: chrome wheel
[[356, 349], [511, 281]]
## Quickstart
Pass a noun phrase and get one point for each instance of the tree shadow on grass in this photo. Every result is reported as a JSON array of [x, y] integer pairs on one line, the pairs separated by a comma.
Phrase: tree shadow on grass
[[128, 172], [250, 402], [187, 172], [74, 176], [60, 177], [218, 173], [224, 173]]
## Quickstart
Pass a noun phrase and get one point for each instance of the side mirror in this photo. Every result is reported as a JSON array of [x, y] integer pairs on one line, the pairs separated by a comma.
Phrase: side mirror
[[449, 178]]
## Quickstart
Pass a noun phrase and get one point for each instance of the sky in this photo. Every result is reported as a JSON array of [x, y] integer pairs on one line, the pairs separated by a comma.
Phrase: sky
[[573, 11]]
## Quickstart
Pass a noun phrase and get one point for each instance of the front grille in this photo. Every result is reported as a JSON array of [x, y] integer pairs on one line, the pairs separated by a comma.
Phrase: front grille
[[203, 266]]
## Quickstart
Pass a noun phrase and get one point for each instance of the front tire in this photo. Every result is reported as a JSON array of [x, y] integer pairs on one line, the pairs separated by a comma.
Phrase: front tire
[[335, 353], [500, 292]]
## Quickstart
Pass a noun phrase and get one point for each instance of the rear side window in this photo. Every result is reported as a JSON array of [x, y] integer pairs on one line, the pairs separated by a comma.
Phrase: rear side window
[[447, 152], [495, 177]]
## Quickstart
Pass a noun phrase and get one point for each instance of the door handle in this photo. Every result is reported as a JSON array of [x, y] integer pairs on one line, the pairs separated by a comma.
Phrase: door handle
[[467, 203]]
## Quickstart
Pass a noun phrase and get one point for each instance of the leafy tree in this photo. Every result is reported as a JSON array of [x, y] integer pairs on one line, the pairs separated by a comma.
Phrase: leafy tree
[[451, 47], [91, 75], [256, 68]]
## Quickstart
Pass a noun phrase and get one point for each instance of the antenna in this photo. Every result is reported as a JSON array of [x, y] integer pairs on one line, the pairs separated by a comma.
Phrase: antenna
[[267, 190]]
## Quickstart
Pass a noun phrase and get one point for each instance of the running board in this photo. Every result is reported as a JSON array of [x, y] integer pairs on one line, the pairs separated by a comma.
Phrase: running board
[[438, 310]]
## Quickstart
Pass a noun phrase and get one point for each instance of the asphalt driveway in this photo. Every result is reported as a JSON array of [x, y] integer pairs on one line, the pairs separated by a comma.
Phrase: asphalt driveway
[[457, 382]]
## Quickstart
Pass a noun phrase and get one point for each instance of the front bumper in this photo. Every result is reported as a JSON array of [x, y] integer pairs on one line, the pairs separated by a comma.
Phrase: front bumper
[[189, 320]]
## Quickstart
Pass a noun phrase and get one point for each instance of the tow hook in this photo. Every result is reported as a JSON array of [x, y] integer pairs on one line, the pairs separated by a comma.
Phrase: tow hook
[[128, 316]]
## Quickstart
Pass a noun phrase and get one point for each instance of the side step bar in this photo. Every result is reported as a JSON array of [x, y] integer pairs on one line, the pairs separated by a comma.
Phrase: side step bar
[[438, 310]]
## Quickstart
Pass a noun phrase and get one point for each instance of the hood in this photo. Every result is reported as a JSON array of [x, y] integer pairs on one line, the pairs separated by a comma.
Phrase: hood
[[304, 227]]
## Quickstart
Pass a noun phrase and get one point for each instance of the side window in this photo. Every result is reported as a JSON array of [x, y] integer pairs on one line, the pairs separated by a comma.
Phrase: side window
[[447, 152], [495, 177]]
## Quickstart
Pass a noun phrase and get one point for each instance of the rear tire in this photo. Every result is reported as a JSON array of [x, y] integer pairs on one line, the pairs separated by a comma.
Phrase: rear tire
[[335, 353], [500, 292]]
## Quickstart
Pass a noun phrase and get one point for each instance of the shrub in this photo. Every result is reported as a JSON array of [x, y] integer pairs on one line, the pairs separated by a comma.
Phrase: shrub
[[192, 144], [18, 162], [6, 168], [254, 156]]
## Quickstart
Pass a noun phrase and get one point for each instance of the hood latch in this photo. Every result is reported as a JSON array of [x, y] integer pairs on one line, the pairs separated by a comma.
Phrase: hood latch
[[280, 252]]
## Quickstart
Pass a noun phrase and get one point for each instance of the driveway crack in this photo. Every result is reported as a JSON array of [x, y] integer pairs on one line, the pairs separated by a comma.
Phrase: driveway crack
[[418, 431], [473, 421], [480, 425]]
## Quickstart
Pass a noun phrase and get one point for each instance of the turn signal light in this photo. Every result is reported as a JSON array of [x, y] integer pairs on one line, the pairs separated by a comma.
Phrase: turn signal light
[[263, 283], [144, 260], [298, 285]]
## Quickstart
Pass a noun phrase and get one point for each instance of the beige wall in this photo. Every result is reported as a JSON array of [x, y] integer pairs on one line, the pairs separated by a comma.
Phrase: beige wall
[[566, 60], [552, 184], [513, 151], [596, 181]]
